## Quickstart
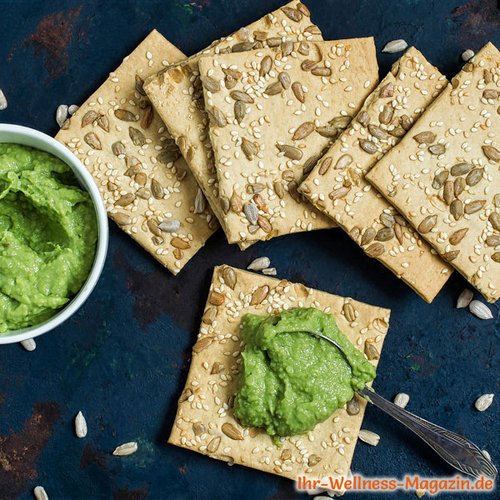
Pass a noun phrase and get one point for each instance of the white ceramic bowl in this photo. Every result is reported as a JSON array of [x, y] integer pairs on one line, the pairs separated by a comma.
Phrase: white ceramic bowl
[[23, 135]]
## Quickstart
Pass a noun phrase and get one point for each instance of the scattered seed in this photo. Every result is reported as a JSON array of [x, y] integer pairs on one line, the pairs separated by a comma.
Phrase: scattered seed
[[259, 264], [369, 437], [493, 240], [465, 298], [483, 402], [259, 295], [385, 234], [249, 148], [377, 132], [270, 271], [80, 425], [459, 186], [157, 189], [292, 14], [3, 101], [371, 351], [40, 493], [264, 224], [491, 94], [61, 114], [125, 449], [482, 311], [240, 111], [363, 118], [137, 137], [402, 399], [214, 444], [449, 256], [339, 193], [179, 243], [125, 115], [325, 165], [343, 162], [239, 95], [88, 118], [467, 54], [395, 46], [321, 71], [474, 176], [387, 90], [313, 460], [29, 344], [284, 79]]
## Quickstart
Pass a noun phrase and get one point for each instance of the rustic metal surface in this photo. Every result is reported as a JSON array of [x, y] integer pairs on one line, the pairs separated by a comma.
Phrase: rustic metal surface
[[123, 358]]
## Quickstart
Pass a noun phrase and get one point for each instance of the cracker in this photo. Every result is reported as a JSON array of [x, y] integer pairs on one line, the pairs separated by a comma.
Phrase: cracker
[[142, 178], [205, 405], [275, 123], [177, 95], [465, 120], [337, 186]]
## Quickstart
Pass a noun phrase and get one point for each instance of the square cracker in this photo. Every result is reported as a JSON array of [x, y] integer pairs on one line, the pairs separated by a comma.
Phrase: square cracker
[[465, 120], [177, 95], [204, 420], [337, 186], [287, 101], [136, 165]]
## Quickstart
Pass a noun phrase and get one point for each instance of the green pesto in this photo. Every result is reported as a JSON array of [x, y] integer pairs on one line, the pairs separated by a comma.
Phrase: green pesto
[[291, 381], [48, 234]]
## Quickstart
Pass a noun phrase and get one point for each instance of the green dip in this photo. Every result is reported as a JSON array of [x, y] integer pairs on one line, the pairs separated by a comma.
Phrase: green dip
[[48, 234], [292, 381]]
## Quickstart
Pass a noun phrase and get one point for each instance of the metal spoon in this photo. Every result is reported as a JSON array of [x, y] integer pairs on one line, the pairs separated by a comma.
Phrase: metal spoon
[[458, 451]]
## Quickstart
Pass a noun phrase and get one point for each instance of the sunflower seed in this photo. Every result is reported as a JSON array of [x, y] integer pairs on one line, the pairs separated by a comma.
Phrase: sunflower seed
[[125, 115], [211, 84], [157, 189], [142, 192], [169, 226], [458, 236], [465, 298], [264, 224], [402, 399], [239, 95], [343, 162], [292, 14], [80, 425], [236, 203], [460, 169], [496, 257], [200, 202], [168, 156], [387, 219], [474, 176], [270, 271], [125, 200], [493, 240], [368, 236], [398, 231], [492, 153], [92, 140], [251, 212], [125, 449], [321, 71], [279, 189], [242, 47], [437, 149], [474, 206], [457, 209], [427, 224], [284, 79], [451, 255], [218, 116], [259, 264], [439, 179], [122, 219], [397, 132], [482, 311], [259, 295], [313, 460], [213, 445], [406, 122], [286, 47], [339, 193], [491, 94], [250, 149], [387, 90], [494, 219], [40, 493], [368, 146], [467, 54], [303, 131], [377, 132], [448, 192], [61, 114], [137, 137], [298, 91], [328, 131], [29, 344], [147, 117], [375, 250], [3, 101], [265, 66], [240, 111], [232, 432], [349, 312], [385, 234], [395, 46], [308, 65], [426, 137], [352, 406], [290, 151], [363, 118], [118, 148], [483, 402], [371, 351], [88, 118], [229, 277], [179, 243], [274, 88], [386, 114], [369, 437]]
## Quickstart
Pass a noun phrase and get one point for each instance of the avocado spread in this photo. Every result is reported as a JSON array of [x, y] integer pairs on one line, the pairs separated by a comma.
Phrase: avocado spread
[[291, 380], [48, 234]]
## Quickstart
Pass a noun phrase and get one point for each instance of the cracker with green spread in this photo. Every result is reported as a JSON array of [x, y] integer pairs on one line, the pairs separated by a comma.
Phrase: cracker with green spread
[[205, 421], [145, 183], [337, 186], [177, 95], [444, 175], [275, 122]]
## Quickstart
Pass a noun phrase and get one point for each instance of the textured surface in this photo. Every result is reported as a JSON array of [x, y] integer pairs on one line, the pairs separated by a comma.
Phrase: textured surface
[[123, 359]]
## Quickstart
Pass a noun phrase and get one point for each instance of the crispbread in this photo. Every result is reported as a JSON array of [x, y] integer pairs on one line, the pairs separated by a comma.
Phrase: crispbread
[[177, 95], [275, 122], [135, 199], [205, 405], [465, 120], [412, 84]]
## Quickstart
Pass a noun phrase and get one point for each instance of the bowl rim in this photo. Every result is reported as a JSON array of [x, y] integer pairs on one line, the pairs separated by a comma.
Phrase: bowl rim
[[18, 134]]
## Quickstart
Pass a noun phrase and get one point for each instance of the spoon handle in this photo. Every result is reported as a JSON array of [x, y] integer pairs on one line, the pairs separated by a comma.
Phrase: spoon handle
[[458, 451]]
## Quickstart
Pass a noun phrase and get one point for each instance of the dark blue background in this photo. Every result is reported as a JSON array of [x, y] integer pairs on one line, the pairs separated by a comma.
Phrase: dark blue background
[[123, 358]]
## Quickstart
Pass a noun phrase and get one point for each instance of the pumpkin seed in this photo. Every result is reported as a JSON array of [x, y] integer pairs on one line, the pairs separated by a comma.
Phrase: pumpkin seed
[[465, 298], [368, 146], [303, 131], [125, 115], [458, 236], [491, 152], [232, 432], [427, 224], [92, 140], [460, 169], [474, 206], [298, 91], [437, 149], [482, 311], [426, 137], [125, 449], [483, 402], [290, 151], [80, 425]]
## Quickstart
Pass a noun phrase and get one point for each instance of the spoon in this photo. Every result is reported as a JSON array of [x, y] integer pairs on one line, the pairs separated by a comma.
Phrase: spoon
[[455, 449]]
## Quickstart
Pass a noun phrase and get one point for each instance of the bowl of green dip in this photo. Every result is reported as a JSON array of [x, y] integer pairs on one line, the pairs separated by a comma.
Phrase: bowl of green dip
[[53, 233]]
